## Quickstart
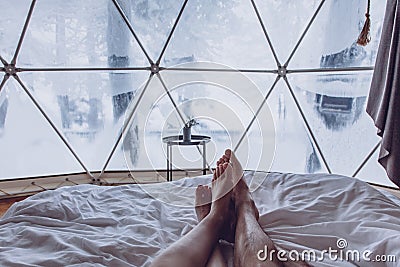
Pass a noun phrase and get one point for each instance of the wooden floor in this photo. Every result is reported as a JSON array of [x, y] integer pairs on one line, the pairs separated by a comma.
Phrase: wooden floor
[[6, 203]]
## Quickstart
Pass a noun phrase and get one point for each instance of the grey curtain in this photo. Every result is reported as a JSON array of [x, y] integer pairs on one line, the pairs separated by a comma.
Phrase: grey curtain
[[384, 96]]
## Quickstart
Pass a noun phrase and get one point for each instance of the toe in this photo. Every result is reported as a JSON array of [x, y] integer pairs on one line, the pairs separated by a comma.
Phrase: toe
[[224, 166], [207, 193], [228, 153], [203, 195], [225, 158], [198, 194], [198, 188]]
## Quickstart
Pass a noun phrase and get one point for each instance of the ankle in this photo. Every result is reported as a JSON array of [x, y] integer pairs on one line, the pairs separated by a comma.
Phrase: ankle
[[245, 209], [216, 218]]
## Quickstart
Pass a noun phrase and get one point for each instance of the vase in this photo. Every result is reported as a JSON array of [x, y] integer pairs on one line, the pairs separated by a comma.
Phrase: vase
[[187, 135]]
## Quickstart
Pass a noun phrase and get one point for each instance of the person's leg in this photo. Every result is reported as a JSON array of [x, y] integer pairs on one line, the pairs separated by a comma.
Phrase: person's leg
[[203, 207], [253, 247], [194, 249], [249, 237]]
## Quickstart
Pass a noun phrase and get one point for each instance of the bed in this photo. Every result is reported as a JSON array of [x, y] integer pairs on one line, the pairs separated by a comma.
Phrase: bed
[[128, 225]]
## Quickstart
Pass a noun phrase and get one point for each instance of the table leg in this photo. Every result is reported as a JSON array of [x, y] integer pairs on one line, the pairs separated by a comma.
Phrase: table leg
[[204, 159], [167, 162], [170, 163]]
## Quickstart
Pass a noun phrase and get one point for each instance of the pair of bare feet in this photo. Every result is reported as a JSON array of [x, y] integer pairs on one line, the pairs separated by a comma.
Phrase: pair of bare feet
[[228, 197], [226, 210]]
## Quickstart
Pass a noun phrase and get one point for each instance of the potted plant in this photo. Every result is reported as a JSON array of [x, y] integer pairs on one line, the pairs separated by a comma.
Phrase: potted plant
[[187, 133]]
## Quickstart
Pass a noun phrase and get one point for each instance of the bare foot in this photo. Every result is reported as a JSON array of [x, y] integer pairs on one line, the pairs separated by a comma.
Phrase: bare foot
[[225, 158], [221, 189], [237, 170], [241, 195]]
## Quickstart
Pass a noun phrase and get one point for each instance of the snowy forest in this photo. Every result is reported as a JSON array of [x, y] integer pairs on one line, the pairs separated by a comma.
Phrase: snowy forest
[[84, 66]]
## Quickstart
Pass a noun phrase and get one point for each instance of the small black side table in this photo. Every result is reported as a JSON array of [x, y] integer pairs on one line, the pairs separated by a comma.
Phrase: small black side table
[[177, 140]]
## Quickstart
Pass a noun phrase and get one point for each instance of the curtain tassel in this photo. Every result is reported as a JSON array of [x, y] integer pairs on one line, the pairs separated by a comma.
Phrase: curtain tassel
[[364, 38]]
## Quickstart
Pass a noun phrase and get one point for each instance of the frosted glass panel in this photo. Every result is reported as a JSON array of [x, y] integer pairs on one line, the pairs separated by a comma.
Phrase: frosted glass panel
[[12, 20], [295, 151], [226, 32], [285, 21], [330, 42], [143, 149], [152, 21], [30, 147], [263, 81], [79, 33], [89, 108], [374, 172], [224, 103], [334, 105]]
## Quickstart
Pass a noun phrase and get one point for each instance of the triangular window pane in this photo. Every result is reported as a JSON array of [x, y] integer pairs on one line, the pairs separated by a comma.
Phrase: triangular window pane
[[373, 172], [152, 21], [285, 21], [330, 42], [143, 148], [13, 16], [334, 105], [29, 146], [87, 107], [227, 33], [79, 34], [295, 150]]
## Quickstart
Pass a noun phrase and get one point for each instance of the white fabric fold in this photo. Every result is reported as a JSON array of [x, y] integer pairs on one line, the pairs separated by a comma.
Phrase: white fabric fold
[[124, 226]]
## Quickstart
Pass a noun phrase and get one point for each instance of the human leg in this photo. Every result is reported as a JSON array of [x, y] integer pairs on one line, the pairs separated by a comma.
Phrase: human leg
[[250, 238], [194, 249], [203, 207]]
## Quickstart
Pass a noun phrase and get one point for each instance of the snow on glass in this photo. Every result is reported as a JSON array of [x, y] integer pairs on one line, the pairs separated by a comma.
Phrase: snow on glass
[[89, 107]]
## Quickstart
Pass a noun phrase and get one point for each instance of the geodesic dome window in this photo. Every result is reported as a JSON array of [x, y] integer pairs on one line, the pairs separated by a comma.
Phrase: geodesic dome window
[[94, 86]]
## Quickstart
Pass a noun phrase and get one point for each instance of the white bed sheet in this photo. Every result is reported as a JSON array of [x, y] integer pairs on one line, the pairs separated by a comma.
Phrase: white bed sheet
[[124, 226]]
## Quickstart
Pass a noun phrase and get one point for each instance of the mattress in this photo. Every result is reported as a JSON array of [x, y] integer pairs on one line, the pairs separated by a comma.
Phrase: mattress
[[129, 225]]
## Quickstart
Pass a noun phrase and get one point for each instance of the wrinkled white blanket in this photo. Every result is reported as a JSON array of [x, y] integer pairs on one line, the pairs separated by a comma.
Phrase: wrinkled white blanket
[[125, 226]]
